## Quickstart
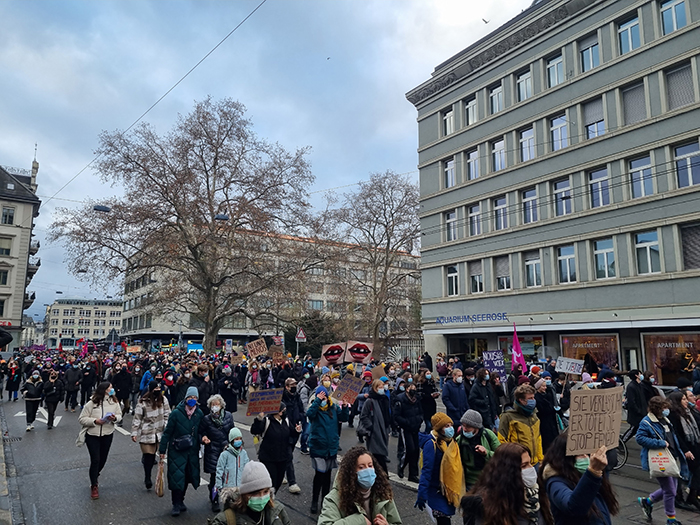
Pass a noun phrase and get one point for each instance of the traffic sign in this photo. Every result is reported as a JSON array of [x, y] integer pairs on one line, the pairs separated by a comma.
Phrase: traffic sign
[[301, 335]]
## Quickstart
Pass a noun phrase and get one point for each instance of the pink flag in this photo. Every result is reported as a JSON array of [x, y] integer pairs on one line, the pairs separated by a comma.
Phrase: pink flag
[[517, 352]]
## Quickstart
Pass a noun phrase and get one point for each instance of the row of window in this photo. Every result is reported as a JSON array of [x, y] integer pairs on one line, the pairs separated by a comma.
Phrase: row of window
[[80, 331], [138, 322], [135, 302], [85, 313], [629, 38], [647, 261], [639, 177], [135, 284]]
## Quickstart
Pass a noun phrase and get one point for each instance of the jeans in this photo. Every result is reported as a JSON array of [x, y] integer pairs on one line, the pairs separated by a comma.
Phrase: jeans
[[98, 447], [442, 381], [668, 493], [134, 399], [12, 394]]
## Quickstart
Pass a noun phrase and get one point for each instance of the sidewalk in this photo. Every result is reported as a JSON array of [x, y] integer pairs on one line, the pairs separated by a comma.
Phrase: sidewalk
[[5, 508]]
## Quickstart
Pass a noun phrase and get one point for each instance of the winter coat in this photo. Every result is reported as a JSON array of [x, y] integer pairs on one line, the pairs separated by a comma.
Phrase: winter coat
[[276, 515], [648, 438], [409, 413], [136, 378], [145, 379], [361, 397], [229, 388], [425, 391], [442, 369], [149, 423], [205, 389], [516, 427], [218, 436], [548, 418], [72, 378], [483, 400], [31, 390], [429, 484], [14, 378], [473, 507], [229, 467], [92, 412], [295, 408], [89, 376], [570, 505], [278, 438], [180, 425], [373, 421], [636, 404], [121, 382], [54, 391], [455, 400], [486, 439], [331, 513], [304, 394], [323, 429]]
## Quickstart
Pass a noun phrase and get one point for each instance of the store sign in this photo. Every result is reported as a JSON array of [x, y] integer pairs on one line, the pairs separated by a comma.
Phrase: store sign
[[476, 318], [602, 348]]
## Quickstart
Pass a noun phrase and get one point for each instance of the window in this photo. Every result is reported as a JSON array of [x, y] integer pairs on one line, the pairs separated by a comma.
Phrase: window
[[562, 197], [524, 85], [634, 104], [315, 305], [502, 273], [472, 164], [533, 269], [8, 215], [687, 165], [5, 246], [452, 281], [558, 134], [590, 57], [449, 173], [648, 257], [4, 274], [555, 71], [529, 205], [470, 111], [115, 313], [83, 331], [448, 122], [498, 155], [68, 313], [54, 331], [496, 99], [594, 119], [451, 225], [628, 35], [679, 84], [54, 312], [527, 144], [604, 256], [474, 220], [673, 15], [640, 177], [54, 322], [567, 264], [690, 239], [316, 270], [476, 277], [598, 184], [500, 213]]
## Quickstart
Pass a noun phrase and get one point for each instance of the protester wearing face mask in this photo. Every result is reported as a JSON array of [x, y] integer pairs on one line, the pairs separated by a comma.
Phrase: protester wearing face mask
[[507, 491], [136, 377], [71, 379], [148, 376], [547, 409], [181, 442], [214, 430], [232, 461], [205, 386], [32, 390], [521, 425], [361, 398], [441, 484], [375, 422], [54, 391], [427, 393], [253, 378], [409, 417], [150, 418], [121, 381], [295, 418], [483, 400], [97, 418], [476, 446], [229, 388], [360, 491], [454, 396], [306, 390], [180, 387]]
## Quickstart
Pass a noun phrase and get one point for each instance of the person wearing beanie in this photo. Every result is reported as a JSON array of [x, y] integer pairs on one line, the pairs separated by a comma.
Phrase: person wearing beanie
[[181, 440], [476, 446], [231, 462], [441, 483], [521, 425], [534, 374], [255, 503], [522, 380], [547, 408], [150, 418], [587, 380], [323, 415]]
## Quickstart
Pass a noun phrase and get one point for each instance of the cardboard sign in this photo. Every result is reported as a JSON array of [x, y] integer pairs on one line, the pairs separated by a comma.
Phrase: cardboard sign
[[594, 420], [236, 359], [265, 401], [348, 389], [378, 372], [256, 348], [494, 362], [277, 354], [569, 366]]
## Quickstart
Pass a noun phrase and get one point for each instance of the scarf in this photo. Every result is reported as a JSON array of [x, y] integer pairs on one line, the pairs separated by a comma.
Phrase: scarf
[[366, 502], [451, 472], [218, 419], [190, 411], [233, 450], [532, 503], [690, 427]]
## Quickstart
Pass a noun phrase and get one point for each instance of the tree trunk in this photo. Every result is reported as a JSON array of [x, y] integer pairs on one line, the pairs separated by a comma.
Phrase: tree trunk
[[211, 331]]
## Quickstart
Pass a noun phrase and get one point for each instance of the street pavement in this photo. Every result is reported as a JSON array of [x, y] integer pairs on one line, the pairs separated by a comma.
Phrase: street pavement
[[47, 477]]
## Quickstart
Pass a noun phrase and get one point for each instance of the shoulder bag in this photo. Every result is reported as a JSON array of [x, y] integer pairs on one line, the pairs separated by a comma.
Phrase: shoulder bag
[[185, 442], [662, 464]]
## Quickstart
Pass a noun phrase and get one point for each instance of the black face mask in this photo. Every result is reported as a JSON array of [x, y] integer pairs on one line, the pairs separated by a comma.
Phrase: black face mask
[[292, 390]]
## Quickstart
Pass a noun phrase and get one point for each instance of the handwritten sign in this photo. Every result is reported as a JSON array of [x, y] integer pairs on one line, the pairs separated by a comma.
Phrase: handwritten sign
[[277, 355], [594, 420], [236, 359], [265, 401], [256, 348], [493, 362], [378, 372], [348, 389], [569, 366]]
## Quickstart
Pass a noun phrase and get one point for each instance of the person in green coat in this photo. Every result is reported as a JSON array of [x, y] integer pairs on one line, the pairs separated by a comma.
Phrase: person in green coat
[[476, 446], [361, 495], [181, 442]]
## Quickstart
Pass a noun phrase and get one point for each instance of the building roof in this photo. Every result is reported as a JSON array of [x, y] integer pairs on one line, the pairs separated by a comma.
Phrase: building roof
[[15, 187]]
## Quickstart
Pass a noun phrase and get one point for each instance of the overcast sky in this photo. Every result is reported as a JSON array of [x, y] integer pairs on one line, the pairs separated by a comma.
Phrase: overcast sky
[[330, 74]]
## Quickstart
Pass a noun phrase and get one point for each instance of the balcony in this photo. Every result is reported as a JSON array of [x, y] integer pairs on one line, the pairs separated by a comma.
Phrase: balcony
[[34, 247], [28, 300], [33, 267]]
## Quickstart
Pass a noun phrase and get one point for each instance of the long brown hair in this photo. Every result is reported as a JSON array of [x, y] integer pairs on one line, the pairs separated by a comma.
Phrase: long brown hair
[[101, 394], [350, 490]]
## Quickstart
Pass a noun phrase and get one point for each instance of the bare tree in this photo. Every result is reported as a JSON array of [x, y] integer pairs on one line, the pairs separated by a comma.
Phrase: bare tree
[[205, 211]]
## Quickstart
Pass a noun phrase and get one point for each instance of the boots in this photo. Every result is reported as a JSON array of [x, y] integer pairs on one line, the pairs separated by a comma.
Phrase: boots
[[693, 499], [148, 461]]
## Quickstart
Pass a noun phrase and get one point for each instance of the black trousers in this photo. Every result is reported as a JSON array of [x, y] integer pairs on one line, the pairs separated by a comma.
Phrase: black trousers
[[412, 452], [289, 470], [85, 393], [381, 461], [98, 447], [31, 408], [276, 470], [72, 399], [51, 411]]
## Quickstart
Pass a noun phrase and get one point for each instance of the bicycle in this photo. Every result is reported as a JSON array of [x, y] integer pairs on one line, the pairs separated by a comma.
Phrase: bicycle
[[622, 454]]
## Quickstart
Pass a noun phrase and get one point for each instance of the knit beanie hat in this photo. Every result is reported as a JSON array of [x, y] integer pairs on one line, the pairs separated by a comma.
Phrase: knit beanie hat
[[546, 374], [523, 380], [234, 433], [439, 421], [540, 383], [535, 369], [325, 370], [472, 418], [192, 392], [321, 389], [153, 385], [366, 374], [255, 477], [586, 378]]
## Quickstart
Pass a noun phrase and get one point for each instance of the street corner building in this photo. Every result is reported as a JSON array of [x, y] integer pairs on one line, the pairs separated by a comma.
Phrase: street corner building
[[559, 163]]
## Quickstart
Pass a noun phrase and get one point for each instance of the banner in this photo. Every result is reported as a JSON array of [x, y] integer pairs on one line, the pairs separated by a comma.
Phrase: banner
[[595, 417], [356, 352], [265, 401], [256, 348], [569, 366], [494, 362], [348, 389]]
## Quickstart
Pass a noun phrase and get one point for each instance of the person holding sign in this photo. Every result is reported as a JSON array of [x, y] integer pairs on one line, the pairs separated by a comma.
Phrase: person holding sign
[[578, 491]]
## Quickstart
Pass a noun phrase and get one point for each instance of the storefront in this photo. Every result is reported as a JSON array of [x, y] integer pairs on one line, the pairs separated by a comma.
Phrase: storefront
[[532, 347], [671, 355], [601, 348]]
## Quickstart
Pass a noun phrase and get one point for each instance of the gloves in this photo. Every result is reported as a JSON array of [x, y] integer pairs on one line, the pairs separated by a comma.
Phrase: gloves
[[557, 408], [420, 504]]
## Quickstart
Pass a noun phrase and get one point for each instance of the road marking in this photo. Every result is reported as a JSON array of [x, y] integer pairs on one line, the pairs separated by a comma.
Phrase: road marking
[[122, 430], [20, 414], [202, 481]]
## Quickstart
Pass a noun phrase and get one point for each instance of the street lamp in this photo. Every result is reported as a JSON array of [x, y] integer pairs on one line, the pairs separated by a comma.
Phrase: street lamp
[[221, 217], [101, 208]]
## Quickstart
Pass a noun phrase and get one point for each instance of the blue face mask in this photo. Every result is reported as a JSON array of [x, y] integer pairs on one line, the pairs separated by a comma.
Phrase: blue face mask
[[191, 402], [449, 432], [111, 392], [237, 443], [324, 403], [487, 377], [410, 380], [366, 477], [402, 388], [548, 382], [468, 435], [666, 412]]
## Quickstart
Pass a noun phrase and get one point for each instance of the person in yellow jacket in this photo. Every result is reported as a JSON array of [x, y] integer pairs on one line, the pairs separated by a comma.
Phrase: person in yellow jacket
[[521, 425]]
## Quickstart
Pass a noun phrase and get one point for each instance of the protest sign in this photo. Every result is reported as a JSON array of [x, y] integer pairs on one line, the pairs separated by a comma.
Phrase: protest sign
[[332, 354], [277, 355], [265, 401], [358, 352], [569, 366], [256, 348], [236, 359], [348, 389], [378, 372], [594, 420], [493, 362]]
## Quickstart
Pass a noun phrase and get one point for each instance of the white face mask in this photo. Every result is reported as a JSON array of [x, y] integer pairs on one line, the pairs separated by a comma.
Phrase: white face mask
[[459, 379], [216, 409], [529, 477]]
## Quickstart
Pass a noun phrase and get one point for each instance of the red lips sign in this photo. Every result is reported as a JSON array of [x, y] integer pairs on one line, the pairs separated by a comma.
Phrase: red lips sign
[[347, 352]]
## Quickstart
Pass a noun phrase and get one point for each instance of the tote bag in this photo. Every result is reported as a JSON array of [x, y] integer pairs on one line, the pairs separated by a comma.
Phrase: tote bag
[[662, 464]]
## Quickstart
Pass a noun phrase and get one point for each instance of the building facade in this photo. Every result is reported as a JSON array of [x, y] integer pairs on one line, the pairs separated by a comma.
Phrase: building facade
[[73, 318], [559, 163]]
